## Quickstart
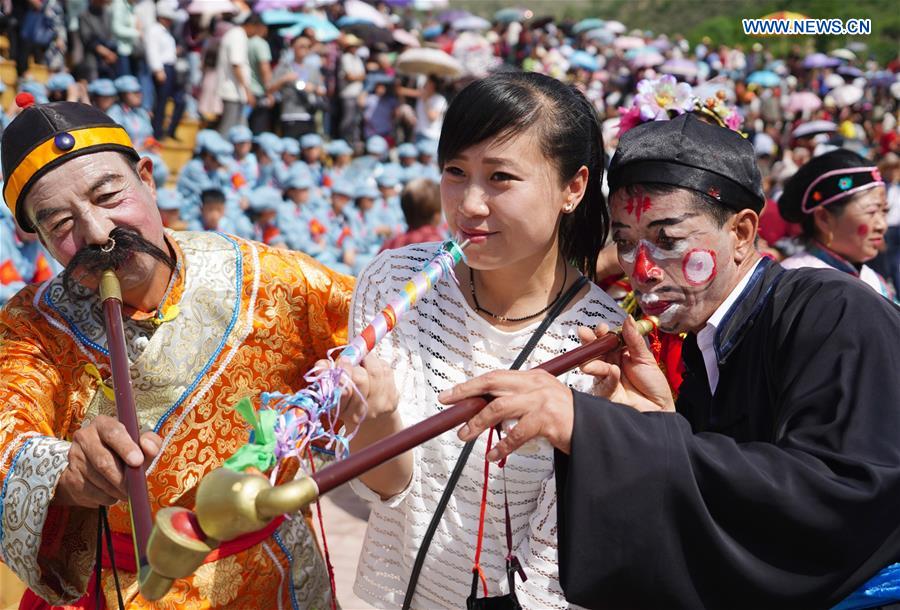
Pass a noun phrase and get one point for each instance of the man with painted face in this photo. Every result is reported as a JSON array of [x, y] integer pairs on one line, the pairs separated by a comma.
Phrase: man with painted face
[[209, 319], [775, 481]]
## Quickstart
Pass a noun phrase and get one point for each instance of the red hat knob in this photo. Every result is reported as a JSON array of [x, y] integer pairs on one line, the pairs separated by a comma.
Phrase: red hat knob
[[24, 100]]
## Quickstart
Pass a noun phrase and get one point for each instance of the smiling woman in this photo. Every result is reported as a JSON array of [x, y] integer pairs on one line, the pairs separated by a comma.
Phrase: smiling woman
[[521, 156]]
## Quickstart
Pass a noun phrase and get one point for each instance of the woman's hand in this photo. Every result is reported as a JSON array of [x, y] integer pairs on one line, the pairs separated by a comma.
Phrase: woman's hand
[[629, 376], [376, 394], [373, 420]]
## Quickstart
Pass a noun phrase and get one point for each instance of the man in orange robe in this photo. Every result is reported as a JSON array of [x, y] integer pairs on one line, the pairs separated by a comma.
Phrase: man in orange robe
[[209, 319]]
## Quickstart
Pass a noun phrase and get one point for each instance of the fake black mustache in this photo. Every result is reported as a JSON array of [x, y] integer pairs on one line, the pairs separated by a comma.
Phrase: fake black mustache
[[92, 260]]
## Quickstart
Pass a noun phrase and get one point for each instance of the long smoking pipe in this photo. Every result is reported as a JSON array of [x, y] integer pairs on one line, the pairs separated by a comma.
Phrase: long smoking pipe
[[231, 504], [135, 477]]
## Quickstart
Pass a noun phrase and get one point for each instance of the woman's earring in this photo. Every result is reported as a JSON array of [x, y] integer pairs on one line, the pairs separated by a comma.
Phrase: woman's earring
[[829, 240]]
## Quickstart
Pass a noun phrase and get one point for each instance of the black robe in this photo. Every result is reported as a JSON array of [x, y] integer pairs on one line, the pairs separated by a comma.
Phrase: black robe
[[780, 491]]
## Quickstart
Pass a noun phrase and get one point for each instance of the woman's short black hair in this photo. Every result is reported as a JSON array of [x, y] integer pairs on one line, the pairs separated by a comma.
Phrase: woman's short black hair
[[507, 104]]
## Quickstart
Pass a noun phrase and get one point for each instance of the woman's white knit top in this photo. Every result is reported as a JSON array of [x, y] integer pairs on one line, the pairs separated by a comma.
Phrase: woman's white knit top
[[439, 344]]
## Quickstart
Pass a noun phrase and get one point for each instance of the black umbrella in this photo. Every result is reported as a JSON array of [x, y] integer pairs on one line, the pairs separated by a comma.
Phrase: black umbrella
[[539, 22], [371, 34]]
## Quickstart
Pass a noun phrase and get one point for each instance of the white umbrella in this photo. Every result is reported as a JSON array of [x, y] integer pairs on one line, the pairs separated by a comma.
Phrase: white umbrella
[[844, 54], [833, 81], [406, 38], [813, 127], [428, 61], [616, 27], [471, 23], [628, 42], [712, 87], [475, 54], [200, 7], [803, 101], [846, 95], [430, 5], [361, 10]]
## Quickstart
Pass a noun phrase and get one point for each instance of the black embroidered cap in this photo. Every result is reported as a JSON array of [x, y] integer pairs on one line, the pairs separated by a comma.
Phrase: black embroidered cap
[[824, 180], [691, 153], [44, 136]]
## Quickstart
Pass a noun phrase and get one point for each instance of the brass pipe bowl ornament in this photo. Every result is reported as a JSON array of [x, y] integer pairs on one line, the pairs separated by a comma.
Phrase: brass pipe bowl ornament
[[231, 504]]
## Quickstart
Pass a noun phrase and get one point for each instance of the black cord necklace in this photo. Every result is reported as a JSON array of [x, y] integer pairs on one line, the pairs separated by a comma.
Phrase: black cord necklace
[[481, 309]]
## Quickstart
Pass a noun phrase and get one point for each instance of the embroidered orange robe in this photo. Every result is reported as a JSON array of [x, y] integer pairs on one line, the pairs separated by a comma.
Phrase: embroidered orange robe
[[239, 318]]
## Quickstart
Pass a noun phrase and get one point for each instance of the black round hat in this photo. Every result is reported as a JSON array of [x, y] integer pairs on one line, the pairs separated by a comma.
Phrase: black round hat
[[690, 153], [44, 136], [824, 180]]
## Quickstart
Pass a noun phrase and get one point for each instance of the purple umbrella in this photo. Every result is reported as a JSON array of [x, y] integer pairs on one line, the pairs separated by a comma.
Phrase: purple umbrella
[[266, 5], [850, 71], [647, 60], [452, 15], [882, 79], [680, 67], [820, 60]]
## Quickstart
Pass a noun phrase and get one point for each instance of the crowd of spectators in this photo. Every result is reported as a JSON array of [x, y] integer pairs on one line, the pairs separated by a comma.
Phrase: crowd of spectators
[[321, 121]]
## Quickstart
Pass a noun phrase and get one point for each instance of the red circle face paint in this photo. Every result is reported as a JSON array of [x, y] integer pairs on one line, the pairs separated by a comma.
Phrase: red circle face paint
[[862, 230], [699, 267]]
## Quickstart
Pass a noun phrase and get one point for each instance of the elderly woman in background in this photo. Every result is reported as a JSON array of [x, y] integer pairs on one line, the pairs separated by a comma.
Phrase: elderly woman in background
[[839, 199]]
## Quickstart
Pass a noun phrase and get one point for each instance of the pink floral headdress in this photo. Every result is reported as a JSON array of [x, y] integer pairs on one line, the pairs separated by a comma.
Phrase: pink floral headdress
[[665, 98]]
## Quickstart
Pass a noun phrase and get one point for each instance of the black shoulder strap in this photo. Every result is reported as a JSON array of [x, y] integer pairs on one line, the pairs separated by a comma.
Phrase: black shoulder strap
[[467, 449]]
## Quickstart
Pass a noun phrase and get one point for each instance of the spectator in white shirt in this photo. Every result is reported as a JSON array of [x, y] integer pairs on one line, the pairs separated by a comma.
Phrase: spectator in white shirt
[[430, 110], [351, 74], [161, 57], [233, 70]]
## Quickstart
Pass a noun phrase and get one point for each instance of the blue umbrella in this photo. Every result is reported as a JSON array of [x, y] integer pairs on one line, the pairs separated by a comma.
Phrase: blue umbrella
[[764, 78], [347, 21], [508, 15], [588, 24], [634, 53], [600, 36], [325, 30], [280, 16], [584, 60]]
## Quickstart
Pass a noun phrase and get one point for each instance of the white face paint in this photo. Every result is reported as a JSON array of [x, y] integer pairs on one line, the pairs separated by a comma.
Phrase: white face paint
[[699, 267], [648, 300], [629, 253]]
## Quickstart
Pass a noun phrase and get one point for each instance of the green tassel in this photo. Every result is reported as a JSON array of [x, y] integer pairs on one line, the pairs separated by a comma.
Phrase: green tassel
[[259, 454]]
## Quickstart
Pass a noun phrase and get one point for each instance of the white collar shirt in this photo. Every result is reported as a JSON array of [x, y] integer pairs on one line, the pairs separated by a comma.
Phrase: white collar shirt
[[706, 338]]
